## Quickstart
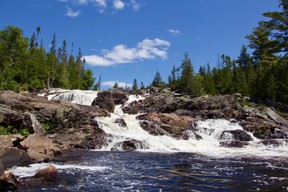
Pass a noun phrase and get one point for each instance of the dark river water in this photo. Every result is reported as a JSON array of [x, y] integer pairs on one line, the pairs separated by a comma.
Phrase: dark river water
[[138, 171]]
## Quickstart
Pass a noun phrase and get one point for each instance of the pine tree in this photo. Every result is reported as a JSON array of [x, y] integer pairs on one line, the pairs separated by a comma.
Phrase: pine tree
[[208, 82], [142, 87], [116, 86], [51, 62], [173, 78], [157, 81], [187, 71], [135, 85]]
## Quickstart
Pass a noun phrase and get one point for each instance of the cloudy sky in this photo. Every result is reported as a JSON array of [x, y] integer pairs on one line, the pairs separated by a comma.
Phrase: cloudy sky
[[127, 39]]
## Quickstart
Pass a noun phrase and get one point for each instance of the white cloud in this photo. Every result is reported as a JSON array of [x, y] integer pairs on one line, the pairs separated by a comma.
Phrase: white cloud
[[82, 2], [174, 32], [71, 13], [120, 84], [147, 49], [135, 5], [102, 5], [118, 4]]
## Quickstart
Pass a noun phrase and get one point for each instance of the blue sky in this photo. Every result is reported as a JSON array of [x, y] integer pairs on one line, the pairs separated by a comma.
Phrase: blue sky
[[128, 39]]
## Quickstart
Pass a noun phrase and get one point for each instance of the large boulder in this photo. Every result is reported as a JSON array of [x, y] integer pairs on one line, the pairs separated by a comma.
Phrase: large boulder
[[40, 144], [108, 99], [167, 123], [49, 173], [129, 145], [10, 157]]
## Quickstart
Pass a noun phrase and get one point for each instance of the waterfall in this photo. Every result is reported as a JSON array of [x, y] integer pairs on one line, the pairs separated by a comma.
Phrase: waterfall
[[212, 132], [75, 96]]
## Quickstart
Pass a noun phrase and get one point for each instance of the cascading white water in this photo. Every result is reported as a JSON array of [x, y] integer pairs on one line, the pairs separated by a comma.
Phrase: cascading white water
[[75, 96], [210, 131]]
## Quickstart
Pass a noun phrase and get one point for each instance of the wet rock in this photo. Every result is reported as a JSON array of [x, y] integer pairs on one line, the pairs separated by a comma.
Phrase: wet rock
[[49, 173], [105, 103], [8, 182], [235, 144], [275, 142], [110, 98], [129, 145], [234, 138], [237, 135], [121, 122], [153, 128]]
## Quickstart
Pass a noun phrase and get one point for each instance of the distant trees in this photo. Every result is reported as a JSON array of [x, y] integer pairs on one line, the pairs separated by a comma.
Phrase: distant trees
[[24, 65], [262, 75], [157, 81]]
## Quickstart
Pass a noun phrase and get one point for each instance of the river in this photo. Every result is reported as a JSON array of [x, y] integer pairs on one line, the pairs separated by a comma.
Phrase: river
[[144, 171], [163, 163]]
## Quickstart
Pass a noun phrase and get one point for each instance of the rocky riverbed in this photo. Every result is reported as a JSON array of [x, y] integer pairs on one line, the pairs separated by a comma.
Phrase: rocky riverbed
[[57, 126]]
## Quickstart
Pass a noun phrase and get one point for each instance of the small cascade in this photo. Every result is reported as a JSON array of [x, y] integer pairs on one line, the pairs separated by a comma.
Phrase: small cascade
[[75, 96], [213, 133]]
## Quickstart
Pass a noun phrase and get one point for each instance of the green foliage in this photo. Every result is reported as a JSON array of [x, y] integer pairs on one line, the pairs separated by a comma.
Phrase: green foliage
[[24, 132], [157, 81], [47, 126], [26, 66], [4, 131], [12, 130], [135, 85]]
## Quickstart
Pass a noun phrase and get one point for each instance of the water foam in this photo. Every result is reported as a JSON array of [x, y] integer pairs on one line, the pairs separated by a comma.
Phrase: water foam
[[210, 130], [31, 170]]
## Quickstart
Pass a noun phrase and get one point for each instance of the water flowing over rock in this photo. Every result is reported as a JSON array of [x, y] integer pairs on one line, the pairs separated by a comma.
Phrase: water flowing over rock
[[49, 173]]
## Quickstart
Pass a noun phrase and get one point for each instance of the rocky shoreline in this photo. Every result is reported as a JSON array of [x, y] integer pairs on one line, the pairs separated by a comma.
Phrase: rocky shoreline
[[57, 126]]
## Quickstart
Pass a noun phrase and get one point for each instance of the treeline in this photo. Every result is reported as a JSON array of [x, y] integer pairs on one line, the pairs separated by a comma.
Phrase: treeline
[[263, 75], [25, 64]]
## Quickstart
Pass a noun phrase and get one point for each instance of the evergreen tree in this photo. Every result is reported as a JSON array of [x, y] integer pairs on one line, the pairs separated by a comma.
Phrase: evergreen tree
[[88, 79], [208, 82], [135, 85], [185, 84], [13, 57], [157, 81], [116, 86], [173, 78], [51, 62], [142, 87]]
